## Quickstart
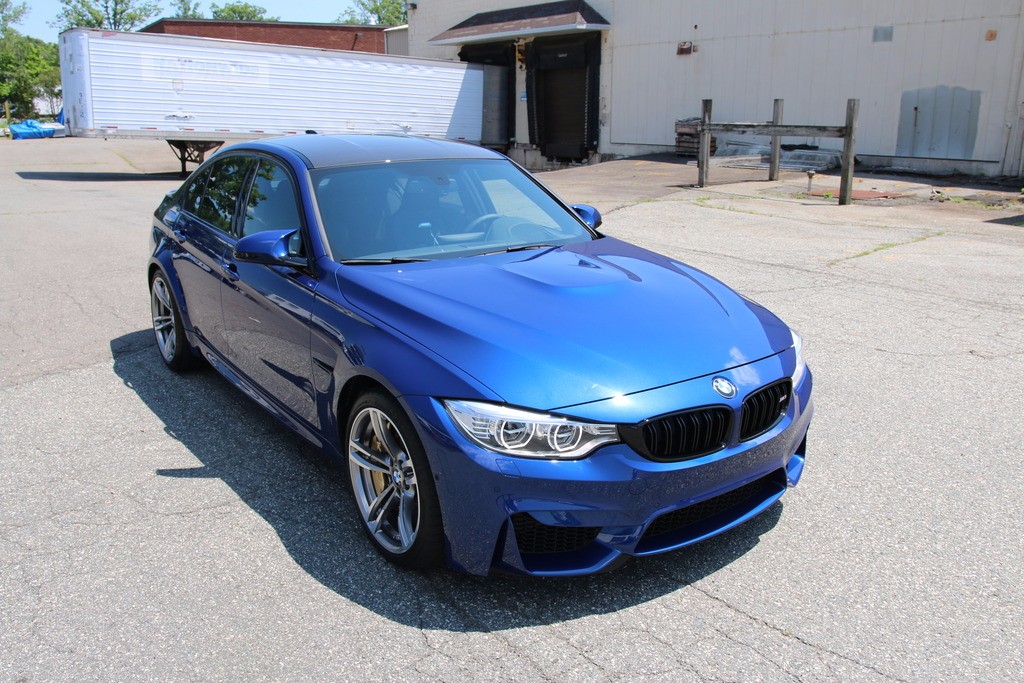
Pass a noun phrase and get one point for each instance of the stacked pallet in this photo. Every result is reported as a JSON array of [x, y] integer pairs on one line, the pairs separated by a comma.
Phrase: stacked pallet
[[687, 139]]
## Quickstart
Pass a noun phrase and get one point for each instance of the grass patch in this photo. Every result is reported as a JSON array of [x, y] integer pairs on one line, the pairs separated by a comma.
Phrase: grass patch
[[883, 247]]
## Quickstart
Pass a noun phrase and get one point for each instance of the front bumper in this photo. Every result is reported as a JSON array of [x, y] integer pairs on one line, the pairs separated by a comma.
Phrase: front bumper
[[564, 518]]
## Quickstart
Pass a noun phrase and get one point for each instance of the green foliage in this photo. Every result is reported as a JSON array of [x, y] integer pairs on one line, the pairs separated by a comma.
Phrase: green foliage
[[29, 68], [240, 11], [49, 88], [382, 12], [11, 13], [186, 9], [113, 15]]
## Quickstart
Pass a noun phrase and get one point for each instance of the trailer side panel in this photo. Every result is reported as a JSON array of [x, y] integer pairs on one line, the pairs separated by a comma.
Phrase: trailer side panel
[[171, 87]]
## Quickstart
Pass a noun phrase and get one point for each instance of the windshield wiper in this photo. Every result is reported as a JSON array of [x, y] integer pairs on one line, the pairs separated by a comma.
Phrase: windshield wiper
[[380, 261], [521, 247]]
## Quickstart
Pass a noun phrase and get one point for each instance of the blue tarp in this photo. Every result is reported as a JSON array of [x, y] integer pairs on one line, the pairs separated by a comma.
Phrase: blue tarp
[[29, 129]]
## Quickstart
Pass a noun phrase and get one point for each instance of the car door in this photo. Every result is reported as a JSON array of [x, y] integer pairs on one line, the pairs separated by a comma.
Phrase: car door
[[203, 233], [267, 308]]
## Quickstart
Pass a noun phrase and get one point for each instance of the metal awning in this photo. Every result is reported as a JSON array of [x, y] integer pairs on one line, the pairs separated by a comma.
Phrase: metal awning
[[550, 18]]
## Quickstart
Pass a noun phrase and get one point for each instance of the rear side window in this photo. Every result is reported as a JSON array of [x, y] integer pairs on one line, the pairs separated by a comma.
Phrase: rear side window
[[272, 202], [220, 196], [194, 193]]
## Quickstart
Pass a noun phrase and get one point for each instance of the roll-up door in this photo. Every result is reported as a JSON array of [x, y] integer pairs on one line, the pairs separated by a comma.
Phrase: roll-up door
[[562, 91]]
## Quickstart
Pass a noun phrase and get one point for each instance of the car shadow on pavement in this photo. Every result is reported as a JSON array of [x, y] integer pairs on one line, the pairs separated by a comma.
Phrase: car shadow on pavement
[[1016, 221], [305, 498], [97, 176]]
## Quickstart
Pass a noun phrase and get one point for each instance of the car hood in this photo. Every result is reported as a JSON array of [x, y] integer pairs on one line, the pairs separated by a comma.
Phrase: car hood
[[559, 327]]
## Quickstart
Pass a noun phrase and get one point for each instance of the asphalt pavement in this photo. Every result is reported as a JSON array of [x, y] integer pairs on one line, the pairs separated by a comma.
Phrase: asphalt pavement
[[156, 526]]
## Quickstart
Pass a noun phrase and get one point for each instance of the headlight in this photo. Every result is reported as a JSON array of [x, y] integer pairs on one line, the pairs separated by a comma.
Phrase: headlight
[[801, 366], [527, 434]]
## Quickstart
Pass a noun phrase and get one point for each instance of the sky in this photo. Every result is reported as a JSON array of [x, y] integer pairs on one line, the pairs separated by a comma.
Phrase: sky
[[42, 11]]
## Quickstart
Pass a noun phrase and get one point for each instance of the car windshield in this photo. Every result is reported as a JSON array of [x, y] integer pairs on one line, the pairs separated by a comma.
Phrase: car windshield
[[434, 209]]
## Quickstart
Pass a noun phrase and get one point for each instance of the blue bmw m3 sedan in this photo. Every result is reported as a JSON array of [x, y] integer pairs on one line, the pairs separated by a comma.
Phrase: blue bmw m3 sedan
[[508, 388]]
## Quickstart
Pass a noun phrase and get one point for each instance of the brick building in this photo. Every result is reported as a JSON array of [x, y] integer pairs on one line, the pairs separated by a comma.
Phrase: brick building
[[328, 36]]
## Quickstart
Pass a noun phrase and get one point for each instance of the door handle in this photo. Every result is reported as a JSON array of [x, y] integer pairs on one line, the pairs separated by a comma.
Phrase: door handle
[[230, 270]]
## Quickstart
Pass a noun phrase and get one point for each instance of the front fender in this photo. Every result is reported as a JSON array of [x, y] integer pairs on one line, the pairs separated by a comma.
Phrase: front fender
[[348, 345]]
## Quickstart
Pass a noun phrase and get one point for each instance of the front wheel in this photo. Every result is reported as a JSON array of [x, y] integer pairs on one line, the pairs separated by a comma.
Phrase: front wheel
[[392, 482], [167, 326]]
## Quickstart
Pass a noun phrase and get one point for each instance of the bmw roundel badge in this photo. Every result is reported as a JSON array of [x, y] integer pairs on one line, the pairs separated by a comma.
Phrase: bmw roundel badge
[[724, 387]]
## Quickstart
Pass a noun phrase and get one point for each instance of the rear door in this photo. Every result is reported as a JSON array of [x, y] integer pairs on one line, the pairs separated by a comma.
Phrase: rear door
[[203, 231]]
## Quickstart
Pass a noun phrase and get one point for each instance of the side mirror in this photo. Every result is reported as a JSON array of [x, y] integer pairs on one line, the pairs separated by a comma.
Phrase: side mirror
[[589, 214], [271, 248]]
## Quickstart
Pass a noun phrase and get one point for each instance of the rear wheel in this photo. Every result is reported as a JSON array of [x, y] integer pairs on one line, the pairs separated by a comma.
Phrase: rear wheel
[[170, 333], [392, 482]]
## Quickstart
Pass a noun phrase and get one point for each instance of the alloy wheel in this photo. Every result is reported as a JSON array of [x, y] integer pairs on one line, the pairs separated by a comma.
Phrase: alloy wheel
[[384, 480], [164, 323]]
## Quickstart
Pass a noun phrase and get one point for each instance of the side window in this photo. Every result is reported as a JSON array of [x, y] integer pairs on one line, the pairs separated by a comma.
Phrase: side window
[[194, 193], [220, 196], [272, 201]]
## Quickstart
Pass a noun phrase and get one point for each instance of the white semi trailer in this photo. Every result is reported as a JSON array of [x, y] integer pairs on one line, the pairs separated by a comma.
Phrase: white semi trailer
[[197, 93]]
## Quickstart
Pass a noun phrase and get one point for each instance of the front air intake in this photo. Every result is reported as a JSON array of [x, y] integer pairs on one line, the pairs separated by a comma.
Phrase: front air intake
[[533, 537]]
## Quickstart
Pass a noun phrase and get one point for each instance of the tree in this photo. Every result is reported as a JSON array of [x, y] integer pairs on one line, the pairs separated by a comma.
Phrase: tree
[[11, 13], [27, 66], [48, 88], [382, 12], [239, 11], [113, 15], [185, 9]]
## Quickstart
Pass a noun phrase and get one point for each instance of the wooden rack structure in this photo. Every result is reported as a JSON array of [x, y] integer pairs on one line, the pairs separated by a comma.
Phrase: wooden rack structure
[[777, 131]]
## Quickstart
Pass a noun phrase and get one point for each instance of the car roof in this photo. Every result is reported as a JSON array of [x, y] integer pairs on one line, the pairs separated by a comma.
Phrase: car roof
[[321, 151]]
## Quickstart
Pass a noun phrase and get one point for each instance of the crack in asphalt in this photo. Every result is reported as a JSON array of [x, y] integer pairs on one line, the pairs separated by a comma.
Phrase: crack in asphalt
[[722, 632], [884, 247], [471, 621], [760, 621]]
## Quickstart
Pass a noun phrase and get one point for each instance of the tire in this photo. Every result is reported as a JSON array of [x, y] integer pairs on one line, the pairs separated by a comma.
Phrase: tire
[[392, 483], [167, 326]]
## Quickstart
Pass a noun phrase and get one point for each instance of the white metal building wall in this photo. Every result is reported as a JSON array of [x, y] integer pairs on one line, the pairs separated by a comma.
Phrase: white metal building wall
[[815, 54], [958, 61]]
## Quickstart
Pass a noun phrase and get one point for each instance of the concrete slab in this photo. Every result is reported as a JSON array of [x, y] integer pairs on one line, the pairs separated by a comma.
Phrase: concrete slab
[[155, 526]]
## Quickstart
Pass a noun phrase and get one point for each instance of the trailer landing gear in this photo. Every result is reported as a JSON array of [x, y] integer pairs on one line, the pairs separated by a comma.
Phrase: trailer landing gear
[[192, 150]]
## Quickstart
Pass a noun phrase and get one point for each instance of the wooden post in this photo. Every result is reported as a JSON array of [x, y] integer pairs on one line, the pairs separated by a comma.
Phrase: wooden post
[[704, 152], [773, 163], [849, 140]]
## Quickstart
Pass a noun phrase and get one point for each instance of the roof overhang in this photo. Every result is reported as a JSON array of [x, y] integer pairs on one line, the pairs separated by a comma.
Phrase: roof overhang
[[551, 18]]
